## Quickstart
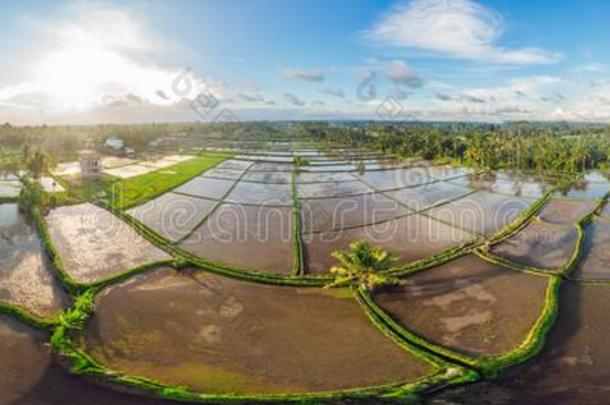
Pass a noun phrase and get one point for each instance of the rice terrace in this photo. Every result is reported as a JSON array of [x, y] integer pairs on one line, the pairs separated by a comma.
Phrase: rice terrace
[[304, 202]]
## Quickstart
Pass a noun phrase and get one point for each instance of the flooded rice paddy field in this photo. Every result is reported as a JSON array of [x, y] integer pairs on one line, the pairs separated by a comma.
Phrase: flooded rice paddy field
[[254, 238], [573, 366], [26, 275], [540, 245], [214, 334], [28, 374], [468, 305], [93, 244], [217, 335]]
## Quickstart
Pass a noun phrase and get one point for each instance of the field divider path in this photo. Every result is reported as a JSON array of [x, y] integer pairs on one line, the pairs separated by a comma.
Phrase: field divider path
[[183, 257], [490, 365], [453, 253], [382, 221], [215, 208], [297, 231], [423, 212], [65, 341]]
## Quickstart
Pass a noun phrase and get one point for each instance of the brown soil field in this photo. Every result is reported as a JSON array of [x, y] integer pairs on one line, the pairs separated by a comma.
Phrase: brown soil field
[[468, 305], [217, 335]]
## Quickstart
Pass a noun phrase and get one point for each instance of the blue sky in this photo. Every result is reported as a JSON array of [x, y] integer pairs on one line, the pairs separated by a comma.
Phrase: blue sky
[[88, 62]]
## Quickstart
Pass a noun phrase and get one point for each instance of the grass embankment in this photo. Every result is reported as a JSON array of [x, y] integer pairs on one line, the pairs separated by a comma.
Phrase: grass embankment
[[121, 194]]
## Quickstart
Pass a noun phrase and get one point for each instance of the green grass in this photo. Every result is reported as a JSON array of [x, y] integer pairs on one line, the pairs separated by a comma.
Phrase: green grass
[[137, 190], [121, 194]]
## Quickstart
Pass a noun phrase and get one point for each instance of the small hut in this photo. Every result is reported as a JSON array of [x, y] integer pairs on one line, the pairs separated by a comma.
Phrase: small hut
[[90, 165]]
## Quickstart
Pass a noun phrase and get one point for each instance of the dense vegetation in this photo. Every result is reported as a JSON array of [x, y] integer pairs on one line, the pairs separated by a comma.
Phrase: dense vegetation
[[363, 266], [522, 146]]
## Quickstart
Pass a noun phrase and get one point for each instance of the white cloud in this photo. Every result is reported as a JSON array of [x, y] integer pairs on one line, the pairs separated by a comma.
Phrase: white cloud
[[334, 92], [100, 57], [294, 100], [456, 28], [313, 75], [401, 74], [592, 68]]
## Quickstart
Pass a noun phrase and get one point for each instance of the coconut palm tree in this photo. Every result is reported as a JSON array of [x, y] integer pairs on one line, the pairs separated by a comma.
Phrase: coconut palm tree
[[363, 266]]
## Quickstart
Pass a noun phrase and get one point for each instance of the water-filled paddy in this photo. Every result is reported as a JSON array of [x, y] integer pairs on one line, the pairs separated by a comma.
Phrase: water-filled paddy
[[269, 177], [411, 238], [327, 189], [26, 275], [30, 376], [304, 177], [261, 194], [481, 212], [428, 195], [93, 244], [173, 216], [468, 305], [217, 335], [227, 174], [595, 258], [344, 212], [560, 211], [540, 245], [252, 237], [573, 366], [516, 184], [206, 187], [10, 189]]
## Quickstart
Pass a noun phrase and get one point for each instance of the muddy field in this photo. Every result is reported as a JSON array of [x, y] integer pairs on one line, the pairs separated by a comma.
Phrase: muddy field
[[29, 376], [540, 245], [173, 216], [253, 237], [428, 195], [26, 274], [515, 184], [468, 305], [482, 212], [595, 259], [319, 215], [562, 211], [411, 238], [573, 367], [215, 335], [94, 244], [206, 187]]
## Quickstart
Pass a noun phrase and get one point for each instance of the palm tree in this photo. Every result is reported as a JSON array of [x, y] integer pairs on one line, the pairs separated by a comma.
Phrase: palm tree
[[363, 266]]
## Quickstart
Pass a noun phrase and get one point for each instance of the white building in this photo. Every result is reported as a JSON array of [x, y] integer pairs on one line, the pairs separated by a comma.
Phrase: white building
[[115, 143], [90, 165]]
